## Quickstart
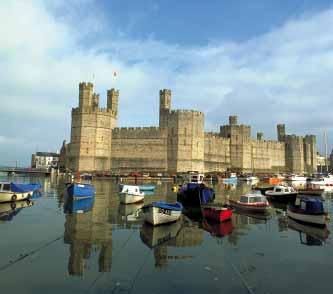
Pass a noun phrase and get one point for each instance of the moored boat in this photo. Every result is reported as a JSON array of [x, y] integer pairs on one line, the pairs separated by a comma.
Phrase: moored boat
[[218, 214], [308, 210], [232, 179], [322, 181], [15, 191], [195, 192], [80, 190], [282, 194], [273, 180], [296, 178], [313, 190], [253, 201], [161, 212], [131, 194], [145, 188]]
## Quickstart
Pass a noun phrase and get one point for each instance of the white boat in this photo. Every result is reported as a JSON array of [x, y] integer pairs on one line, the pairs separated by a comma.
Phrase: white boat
[[161, 212], [249, 178], [308, 210], [282, 193], [130, 194], [7, 194], [324, 181], [297, 178], [253, 201]]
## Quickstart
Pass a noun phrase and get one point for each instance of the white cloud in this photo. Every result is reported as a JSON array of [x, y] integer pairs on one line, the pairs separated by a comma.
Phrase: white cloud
[[282, 76]]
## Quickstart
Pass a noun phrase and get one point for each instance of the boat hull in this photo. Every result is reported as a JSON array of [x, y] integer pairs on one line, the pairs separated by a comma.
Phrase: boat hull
[[313, 219], [281, 197], [158, 216], [218, 215], [250, 207], [80, 191], [126, 198], [13, 196], [195, 195]]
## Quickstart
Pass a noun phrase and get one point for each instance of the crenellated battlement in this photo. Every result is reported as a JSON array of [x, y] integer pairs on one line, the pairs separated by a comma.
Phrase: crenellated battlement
[[89, 110], [139, 132], [185, 111]]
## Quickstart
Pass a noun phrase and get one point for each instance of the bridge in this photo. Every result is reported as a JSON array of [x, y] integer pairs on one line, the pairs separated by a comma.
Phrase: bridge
[[24, 170]]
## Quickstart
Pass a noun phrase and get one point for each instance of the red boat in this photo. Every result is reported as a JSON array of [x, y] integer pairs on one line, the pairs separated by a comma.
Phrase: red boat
[[219, 214]]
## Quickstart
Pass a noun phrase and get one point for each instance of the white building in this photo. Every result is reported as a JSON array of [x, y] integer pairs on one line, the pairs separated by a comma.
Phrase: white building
[[45, 160]]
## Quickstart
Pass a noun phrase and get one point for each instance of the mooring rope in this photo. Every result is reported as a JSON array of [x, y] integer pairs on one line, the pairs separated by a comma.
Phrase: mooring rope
[[23, 256]]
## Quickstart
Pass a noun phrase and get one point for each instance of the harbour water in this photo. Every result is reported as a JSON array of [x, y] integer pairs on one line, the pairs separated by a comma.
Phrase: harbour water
[[44, 249]]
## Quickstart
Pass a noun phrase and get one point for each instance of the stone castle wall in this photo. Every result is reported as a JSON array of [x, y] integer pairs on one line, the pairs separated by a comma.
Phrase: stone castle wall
[[217, 153], [178, 144], [139, 149]]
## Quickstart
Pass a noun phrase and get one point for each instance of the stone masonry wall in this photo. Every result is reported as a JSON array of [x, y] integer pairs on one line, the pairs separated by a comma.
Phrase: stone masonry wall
[[217, 153], [139, 149]]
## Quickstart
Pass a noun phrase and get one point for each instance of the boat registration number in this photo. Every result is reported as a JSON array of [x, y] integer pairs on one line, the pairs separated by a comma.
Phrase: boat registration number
[[164, 211]]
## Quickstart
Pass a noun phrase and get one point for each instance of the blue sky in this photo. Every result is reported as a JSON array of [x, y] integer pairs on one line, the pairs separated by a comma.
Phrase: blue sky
[[267, 61]]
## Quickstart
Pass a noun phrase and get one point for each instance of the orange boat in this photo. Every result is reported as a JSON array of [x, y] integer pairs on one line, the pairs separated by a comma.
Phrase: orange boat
[[274, 180]]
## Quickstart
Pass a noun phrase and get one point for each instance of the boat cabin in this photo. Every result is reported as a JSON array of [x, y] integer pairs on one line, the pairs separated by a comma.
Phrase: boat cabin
[[310, 205], [130, 189], [283, 189], [196, 178], [5, 187], [253, 197]]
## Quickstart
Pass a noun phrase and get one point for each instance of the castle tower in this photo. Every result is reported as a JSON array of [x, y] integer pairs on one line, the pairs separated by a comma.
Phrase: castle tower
[[240, 147], [85, 95], [112, 100], [165, 106], [91, 131], [95, 100], [233, 120], [260, 136], [281, 132]]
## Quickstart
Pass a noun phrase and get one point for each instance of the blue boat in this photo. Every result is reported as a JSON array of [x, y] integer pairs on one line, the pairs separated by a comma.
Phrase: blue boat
[[147, 188], [80, 191], [195, 194], [78, 206]]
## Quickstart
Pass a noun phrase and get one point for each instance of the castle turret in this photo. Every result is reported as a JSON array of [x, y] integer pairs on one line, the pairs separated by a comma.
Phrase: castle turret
[[165, 106], [95, 100], [112, 100], [281, 132], [85, 95], [233, 120], [260, 136]]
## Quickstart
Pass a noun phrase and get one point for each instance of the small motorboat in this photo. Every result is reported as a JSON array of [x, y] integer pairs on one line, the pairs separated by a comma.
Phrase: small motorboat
[[232, 179], [308, 210], [195, 192], [15, 191], [310, 189], [161, 212], [131, 194], [297, 178], [145, 188], [80, 191], [249, 178], [282, 194], [253, 201], [218, 214], [322, 181], [273, 180]]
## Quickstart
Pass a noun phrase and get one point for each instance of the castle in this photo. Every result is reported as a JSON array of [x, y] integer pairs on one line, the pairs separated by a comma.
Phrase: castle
[[178, 144]]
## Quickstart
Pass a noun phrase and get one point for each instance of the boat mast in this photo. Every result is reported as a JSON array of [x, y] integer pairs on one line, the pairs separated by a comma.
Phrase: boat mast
[[325, 142]]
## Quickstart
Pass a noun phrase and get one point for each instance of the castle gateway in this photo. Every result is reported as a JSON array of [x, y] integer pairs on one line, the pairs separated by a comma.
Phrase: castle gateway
[[178, 144]]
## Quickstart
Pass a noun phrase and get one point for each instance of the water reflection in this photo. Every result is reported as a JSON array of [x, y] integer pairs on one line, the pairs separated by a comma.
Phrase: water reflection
[[9, 210], [178, 234]]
